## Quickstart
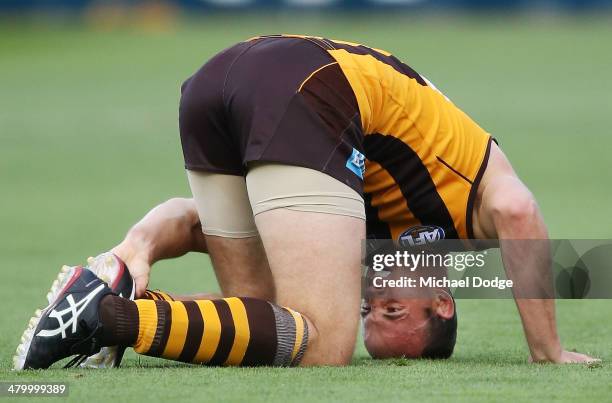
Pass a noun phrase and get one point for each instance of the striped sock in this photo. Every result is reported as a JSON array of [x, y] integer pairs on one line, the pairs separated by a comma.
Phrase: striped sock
[[228, 331], [157, 295]]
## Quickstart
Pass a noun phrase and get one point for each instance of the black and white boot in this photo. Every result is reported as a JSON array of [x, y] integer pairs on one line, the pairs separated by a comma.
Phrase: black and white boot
[[69, 325]]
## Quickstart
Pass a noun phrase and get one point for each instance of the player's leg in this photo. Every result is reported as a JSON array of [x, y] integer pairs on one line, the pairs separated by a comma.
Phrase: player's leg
[[238, 331], [227, 331], [241, 268], [247, 275], [317, 272], [238, 257], [84, 315], [321, 294], [230, 331], [312, 226]]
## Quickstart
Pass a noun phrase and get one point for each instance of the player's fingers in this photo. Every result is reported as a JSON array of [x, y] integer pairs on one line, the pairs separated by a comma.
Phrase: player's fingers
[[141, 282], [587, 359], [570, 357], [139, 271], [578, 358]]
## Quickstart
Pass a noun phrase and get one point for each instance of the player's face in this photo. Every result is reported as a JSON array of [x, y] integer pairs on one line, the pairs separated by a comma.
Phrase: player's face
[[395, 327]]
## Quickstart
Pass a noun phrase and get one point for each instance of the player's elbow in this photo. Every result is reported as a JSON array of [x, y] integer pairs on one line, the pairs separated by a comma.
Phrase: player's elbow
[[517, 208], [180, 203], [517, 214], [183, 208]]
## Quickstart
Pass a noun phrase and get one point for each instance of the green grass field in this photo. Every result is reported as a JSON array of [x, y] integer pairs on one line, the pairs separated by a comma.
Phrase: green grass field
[[88, 143]]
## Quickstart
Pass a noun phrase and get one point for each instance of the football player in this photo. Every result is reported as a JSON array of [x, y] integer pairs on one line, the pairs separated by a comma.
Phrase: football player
[[295, 148]]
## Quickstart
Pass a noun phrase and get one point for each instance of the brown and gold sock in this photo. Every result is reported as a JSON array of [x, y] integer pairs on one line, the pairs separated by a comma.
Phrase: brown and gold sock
[[157, 295], [228, 331]]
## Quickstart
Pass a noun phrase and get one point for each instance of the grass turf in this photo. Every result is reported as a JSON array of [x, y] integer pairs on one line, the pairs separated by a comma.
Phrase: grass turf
[[89, 143]]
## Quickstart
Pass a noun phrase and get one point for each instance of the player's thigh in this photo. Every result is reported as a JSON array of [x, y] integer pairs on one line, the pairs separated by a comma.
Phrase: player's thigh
[[316, 269], [312, 228], [234, 245]]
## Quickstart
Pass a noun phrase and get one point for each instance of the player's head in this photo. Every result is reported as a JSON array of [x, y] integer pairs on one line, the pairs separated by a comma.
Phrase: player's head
[[421, 323]]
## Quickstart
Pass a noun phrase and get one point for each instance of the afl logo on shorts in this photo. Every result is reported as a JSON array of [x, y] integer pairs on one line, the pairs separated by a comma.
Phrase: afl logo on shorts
[[421, 235], [356, 163]]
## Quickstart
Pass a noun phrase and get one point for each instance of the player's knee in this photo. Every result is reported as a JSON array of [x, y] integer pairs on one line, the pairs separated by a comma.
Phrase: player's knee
[[329, 346], [298, 342], [326, 357], [328, 361]]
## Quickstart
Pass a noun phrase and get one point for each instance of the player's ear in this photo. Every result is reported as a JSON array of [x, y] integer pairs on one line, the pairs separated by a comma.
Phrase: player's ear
[[444, 305]]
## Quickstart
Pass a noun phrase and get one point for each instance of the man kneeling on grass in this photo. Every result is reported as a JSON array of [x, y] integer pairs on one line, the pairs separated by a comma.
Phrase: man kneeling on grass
[[296, 147]]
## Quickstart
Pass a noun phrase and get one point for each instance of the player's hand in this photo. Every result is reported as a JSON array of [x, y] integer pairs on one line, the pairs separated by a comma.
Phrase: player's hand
[[137, 263], [571, 357]]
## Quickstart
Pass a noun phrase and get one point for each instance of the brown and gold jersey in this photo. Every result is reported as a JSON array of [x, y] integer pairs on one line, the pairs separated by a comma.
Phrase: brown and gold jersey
[[423, 154]]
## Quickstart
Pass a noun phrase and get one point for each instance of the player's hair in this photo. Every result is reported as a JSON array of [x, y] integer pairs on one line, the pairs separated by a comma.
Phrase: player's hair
[[442, 336]]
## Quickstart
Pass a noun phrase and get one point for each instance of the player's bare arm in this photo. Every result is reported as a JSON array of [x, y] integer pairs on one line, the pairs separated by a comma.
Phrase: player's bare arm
[[506, 210], [169, 230]]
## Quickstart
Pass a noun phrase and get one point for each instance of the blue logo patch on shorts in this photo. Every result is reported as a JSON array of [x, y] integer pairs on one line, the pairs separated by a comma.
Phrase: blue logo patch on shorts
[[356, 163]]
